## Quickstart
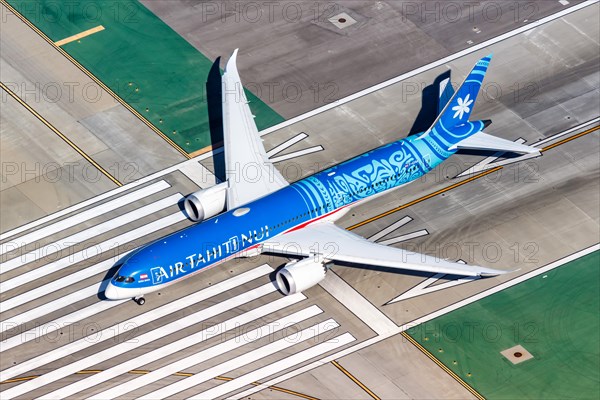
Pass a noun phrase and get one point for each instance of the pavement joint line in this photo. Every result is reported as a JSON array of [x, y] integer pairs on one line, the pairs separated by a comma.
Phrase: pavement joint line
[[442, 366], [94, 202], [545, 149], [429, 66], [428, 317], [60, 134], [225, 347], [355, 380], [93, 212], [423, 198], [184, 374], [141, 319], [566, 140], [566, 132], [80, 35], [464, 182], [95, 79]]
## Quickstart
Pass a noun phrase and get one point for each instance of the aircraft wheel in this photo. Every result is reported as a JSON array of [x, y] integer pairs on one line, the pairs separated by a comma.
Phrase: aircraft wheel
[[140, 300]]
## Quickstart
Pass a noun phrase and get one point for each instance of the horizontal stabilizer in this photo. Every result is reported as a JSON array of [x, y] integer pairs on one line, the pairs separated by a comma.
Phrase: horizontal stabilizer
[[483, 141]]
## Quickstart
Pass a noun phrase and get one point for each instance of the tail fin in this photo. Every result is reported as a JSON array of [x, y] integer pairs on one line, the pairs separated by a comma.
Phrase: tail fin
[[446, 93], [458, 109]]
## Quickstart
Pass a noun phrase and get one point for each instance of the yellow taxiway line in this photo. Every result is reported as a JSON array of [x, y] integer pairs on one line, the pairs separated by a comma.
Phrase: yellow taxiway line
[[355, 380], [461, 183], [79, 35], [442, 366], [59, 134], [96, 80], [185, 374]]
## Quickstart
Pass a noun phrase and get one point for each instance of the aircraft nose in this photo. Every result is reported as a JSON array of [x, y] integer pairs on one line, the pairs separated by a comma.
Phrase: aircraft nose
[[112, 292]]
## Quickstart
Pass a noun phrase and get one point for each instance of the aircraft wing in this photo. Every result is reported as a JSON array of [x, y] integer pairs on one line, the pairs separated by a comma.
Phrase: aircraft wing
[[330, 242], [250, 174]]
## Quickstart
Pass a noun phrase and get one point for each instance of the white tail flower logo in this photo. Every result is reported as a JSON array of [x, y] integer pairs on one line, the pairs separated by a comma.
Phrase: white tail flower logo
[[462, 107]]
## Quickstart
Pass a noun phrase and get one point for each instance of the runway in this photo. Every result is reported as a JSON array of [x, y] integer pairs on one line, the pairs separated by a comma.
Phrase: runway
[[228, 332]]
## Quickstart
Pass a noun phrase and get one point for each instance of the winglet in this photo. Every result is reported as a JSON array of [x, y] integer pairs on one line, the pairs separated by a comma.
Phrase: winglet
[[243, 145], [232, 62]]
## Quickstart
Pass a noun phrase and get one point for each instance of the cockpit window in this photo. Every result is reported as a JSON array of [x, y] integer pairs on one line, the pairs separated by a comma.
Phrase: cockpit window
[[129, 279], [126, 279], [119, 278]]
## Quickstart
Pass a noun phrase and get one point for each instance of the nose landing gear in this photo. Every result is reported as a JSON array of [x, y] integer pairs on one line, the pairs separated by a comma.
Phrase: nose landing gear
[[140, 300]]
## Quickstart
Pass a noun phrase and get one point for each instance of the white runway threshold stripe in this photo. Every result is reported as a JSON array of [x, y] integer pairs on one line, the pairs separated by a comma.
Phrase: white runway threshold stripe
[[77, 218], [61, 283], [197, 358], [243, 360], [65, 243], [48, 328], [138, 341], [125, 326], [275, 367], [428, 317], [108, 245]]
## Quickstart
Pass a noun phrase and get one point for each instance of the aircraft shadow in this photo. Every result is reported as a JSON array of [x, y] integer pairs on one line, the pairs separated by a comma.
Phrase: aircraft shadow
[[214, 100], [429, 105]]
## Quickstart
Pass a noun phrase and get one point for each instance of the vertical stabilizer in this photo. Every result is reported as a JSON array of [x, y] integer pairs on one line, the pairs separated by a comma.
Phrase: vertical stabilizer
[[458, 109], [446, 92]]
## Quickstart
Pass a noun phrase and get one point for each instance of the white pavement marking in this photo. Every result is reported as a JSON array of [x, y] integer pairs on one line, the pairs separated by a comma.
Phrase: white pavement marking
[[445, 60], [196, 358], [299, 118], [503, 286], [65, 243], [82, 216], [61, 283], [137, 321], [390, 229], [199, 174], [276, 367], [140, 340], [492, 161], [57, 324], [425, 287], [421, 320], [298, 153], [564, 133], [404, 238], [286, 144], [357, 304], [83, 255], [244, 359]]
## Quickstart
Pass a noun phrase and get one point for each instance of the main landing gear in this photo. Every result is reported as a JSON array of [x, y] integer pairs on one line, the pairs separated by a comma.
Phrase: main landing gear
[[140, 300]]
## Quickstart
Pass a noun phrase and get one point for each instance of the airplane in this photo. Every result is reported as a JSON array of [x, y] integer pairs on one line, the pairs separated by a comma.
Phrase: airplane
[[264, 214]]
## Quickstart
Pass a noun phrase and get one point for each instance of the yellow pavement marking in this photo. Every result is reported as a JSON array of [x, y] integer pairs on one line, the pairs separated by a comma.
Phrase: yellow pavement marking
[[79, 35], [359, 383], [420, 199], [442, 366], [474, 177], [185, 374], [570, 138], [60, 134], [96, 80]]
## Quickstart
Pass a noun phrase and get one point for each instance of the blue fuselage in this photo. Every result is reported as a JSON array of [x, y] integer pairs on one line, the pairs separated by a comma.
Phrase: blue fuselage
[[205, 244]]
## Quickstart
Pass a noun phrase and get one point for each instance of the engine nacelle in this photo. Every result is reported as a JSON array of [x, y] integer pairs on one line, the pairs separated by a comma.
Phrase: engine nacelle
[[297, 276], [206, 203]]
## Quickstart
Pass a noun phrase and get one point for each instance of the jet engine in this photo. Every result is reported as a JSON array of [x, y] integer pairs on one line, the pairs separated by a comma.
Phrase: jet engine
[[206, 203], [297, 276]]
